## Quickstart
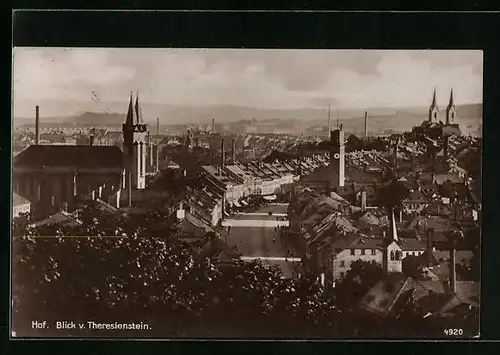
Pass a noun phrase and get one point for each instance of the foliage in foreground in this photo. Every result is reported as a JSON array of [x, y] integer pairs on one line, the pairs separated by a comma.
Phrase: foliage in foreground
[[142, 276]]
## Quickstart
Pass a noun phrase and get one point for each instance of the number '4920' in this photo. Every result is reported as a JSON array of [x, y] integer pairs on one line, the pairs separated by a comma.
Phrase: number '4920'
[[454, 332]]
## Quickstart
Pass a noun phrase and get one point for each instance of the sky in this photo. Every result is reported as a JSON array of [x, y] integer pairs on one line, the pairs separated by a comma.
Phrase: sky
[[66, 81]]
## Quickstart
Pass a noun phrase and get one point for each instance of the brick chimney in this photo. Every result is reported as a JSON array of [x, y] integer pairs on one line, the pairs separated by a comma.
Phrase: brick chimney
[[233, 151], [213, 125], [222, 154], [366, 124], [158, 126], [363, 200], [453, 278], [181, 213], [37, 125]]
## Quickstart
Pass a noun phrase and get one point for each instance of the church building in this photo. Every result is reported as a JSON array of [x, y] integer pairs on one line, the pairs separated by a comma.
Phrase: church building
[[54, 177]]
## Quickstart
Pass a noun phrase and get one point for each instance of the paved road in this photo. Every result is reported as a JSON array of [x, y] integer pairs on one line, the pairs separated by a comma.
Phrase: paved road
[[255, 240]]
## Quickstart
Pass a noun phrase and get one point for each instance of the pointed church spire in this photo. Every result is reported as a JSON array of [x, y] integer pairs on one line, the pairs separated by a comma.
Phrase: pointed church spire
[[130, 113], [434, 101], [137, 109], [394, 230], [451, 104]]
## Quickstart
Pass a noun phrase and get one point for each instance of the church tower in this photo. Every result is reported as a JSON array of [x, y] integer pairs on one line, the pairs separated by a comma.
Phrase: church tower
[[451, 111], [434, 110], [135, 146], [393, 255], [337, 155]]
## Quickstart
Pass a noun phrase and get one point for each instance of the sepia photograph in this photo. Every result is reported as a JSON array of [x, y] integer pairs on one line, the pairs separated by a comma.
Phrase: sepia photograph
[[246, 193]]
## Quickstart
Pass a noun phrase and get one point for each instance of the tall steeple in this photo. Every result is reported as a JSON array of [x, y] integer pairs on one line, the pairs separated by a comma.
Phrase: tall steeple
[[433, 109], [434, 103], [394, 231], [135, 146], [393, 254], [451, 111], [130, 113], [137, 109]]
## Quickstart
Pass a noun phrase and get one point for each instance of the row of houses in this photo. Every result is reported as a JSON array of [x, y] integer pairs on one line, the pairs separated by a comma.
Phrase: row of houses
[[225, 187]]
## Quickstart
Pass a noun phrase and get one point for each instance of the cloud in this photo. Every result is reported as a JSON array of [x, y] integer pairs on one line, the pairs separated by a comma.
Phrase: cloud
[[259, 78], [65, 73]]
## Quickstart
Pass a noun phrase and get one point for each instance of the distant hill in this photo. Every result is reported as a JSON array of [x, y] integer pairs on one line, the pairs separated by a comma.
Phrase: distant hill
[[247, 119]]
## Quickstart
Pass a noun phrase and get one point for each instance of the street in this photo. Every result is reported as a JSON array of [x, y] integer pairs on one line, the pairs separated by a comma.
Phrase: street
[[256, 236]]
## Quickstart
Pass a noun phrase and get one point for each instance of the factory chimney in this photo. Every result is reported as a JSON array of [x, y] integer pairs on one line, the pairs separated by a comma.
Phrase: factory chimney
[[213, 125], [453, 278], [37, 125], [222, 154], [430, 236], [157, 126], [366, 124], [329, 121], [363, 200], [233, 151]]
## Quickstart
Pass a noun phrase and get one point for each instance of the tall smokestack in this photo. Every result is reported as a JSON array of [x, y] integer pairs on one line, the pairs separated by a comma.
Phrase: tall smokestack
[[213, 125], [37, 125], [329, 121], [453, 278], [366, 124], [157, 158], [233, 151], [157, 126], [363, 200], [222, 154], [430, 236]]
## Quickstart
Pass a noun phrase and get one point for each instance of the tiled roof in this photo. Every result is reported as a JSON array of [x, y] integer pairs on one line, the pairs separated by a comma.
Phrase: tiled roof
[[464, 289], [369, 219], [356, 241], [57, 218], [85, 157], [382, 298], [412, 244], [416, 197], [18, 200]]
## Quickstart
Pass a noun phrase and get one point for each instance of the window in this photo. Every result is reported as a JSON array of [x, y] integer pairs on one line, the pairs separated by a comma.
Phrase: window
[[392, 255], [435, 115], [362, 251], [452, 115], [397, 255], [352, 251], [342, 263], [373, 251], [342, 275]]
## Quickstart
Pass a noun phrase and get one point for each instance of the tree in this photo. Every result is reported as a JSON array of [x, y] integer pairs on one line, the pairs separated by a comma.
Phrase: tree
[[392, 195], [360, 278], [354, 143]]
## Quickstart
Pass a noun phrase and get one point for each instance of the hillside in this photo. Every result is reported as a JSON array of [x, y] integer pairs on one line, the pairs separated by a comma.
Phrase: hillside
[[245, 119]]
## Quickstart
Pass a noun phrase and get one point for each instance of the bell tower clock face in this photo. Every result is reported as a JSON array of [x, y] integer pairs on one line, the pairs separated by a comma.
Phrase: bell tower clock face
[[336, 156]]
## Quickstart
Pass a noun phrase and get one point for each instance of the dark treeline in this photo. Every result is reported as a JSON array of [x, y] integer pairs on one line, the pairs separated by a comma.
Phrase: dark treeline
[[144, 276]]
